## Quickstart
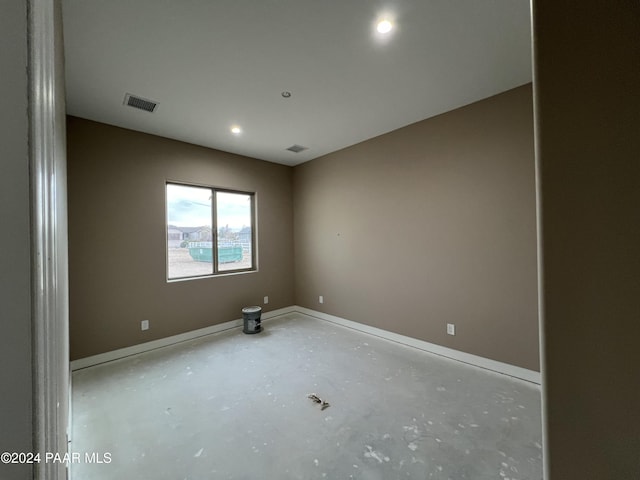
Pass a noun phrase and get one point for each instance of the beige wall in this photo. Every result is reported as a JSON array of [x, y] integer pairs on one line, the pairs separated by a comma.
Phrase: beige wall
[[587, 77], [117, 237], [431, 224]]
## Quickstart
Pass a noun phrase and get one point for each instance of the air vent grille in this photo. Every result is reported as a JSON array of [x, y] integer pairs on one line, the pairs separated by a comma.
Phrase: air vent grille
[[140, 103], [297, 148]]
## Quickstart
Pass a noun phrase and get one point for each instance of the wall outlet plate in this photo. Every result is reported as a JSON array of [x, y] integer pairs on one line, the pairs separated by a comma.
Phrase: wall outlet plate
[[451, 329], [266, 299], [144, 325], [320, 299]]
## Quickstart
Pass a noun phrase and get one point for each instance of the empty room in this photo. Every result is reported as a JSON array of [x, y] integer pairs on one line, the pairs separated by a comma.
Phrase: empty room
[[297, 240], [365, 176]]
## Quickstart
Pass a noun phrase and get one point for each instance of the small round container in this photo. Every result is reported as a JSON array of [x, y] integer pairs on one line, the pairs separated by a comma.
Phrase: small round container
[[251, 318]]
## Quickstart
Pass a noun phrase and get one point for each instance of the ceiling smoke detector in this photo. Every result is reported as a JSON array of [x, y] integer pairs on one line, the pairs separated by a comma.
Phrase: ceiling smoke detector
[[140, 103], [297, 148]]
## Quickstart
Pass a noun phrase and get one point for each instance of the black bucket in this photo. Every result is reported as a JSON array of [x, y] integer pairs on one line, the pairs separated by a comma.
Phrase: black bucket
[[251, 318]]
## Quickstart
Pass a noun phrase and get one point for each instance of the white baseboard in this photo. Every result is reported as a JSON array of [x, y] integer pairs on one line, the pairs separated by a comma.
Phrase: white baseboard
[[475, 360], [164, 342]]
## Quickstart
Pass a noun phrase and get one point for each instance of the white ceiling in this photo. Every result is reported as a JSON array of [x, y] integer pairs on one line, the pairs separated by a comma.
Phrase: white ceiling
[[213, 63]]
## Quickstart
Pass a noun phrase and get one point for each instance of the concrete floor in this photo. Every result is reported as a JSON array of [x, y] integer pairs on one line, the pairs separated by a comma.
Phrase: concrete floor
[[235, 406]]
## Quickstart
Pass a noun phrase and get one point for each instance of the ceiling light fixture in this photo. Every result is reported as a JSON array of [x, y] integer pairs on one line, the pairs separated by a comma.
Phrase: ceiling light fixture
[[384, 26], [236, 130], [286, 94]]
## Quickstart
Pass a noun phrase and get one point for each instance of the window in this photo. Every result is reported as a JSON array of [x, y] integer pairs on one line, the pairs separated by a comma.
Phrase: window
[[209, 231]]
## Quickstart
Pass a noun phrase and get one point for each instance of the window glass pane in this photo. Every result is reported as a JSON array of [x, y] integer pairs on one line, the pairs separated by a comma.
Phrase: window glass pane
[[189, 238], [233, 215]]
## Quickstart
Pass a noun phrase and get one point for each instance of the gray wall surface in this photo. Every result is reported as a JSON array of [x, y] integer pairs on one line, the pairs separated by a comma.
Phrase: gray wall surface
[[431, 224], [117, 237], [15, 253], [587, 90]]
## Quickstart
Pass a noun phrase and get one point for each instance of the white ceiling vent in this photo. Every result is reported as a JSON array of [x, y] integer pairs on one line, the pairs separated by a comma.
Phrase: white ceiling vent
[[297, 148], [140, 103]]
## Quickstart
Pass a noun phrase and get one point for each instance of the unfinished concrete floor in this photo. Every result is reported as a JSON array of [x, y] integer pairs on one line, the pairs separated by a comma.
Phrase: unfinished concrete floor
[[235, 406]]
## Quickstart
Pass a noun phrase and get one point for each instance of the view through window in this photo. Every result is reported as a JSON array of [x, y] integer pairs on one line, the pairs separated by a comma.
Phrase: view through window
[[209, 231]]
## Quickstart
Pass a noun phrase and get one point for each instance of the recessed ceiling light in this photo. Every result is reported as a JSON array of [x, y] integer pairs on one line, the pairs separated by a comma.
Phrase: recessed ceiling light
[[236, 130], [384, 26], [286, 94]]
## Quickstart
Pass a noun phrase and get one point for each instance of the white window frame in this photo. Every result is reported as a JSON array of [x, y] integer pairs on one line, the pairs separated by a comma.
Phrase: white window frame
[[214, 232]]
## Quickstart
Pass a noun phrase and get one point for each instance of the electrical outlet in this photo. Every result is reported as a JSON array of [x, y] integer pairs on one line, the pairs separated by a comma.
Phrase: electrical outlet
[[451, 329], [321, 299], [144, 325], [266, 299]]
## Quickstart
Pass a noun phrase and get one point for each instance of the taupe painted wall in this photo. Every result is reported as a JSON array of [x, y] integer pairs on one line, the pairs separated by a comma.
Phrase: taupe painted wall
[[587, 77], [431, 224], [15, 255], [117, 237]]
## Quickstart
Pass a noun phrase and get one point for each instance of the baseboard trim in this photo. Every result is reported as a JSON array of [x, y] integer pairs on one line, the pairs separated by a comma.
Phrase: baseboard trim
[[474, 360], [165, 342], [470, 359]]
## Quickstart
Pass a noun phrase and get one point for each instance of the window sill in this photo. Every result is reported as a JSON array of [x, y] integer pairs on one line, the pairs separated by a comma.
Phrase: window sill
[[217, 275]]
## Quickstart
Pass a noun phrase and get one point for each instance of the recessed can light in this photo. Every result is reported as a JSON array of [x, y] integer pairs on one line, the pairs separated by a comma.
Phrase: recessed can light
[[236, 130], [286, 94], [384, 26]]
